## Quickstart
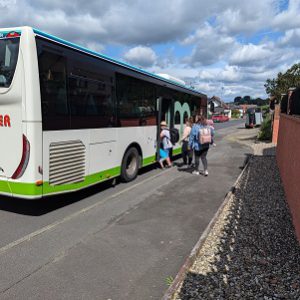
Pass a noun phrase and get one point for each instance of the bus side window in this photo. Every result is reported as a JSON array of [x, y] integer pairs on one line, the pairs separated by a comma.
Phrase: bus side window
[[136, 102], [52, 70], [90, 102]]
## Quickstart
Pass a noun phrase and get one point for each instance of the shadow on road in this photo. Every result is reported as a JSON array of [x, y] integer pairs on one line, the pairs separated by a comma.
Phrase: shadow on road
[[48, 204], [45, 205]]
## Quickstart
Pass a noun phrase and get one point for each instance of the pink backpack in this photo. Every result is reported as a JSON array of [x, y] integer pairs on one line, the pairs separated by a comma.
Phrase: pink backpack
[[205, 135]]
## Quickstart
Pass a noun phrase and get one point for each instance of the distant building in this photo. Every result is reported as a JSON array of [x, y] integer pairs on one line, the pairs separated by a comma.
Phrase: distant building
[[218, 105]]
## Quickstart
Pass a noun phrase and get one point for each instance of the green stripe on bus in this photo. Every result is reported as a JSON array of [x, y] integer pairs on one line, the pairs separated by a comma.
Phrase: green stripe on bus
[[149, 160], [4, 187], [31, 189], [27, 189], [89, 180], [176, 151]]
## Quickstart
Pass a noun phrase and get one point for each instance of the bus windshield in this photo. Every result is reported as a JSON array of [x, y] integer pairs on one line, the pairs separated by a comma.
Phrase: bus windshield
[[9, 49]]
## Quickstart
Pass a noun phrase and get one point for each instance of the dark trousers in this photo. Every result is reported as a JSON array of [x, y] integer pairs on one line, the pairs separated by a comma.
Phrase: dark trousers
[[201, 154], [187, 154]]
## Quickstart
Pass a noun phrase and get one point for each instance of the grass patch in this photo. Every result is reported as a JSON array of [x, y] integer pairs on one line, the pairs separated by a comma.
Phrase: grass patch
[[169, 280]]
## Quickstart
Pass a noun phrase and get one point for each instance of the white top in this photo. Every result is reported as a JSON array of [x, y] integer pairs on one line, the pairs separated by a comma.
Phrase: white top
[[166, 139], [186, 133]]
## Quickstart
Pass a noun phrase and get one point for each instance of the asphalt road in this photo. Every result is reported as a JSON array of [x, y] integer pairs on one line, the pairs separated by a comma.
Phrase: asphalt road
[[241, 123], [119, 242]]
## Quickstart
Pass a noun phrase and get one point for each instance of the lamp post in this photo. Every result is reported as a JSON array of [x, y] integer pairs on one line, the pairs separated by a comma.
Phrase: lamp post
[[222, 92]]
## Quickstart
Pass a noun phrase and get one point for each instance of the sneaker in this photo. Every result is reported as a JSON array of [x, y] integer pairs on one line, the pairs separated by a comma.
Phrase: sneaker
[[196, 172], [205, 173]]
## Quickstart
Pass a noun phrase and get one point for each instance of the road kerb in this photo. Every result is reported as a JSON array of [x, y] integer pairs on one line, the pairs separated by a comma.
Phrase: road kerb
[[169, 294]]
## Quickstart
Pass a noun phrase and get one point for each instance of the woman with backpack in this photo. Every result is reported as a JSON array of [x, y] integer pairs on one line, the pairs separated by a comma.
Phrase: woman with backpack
[[200, 139], [165, 145]]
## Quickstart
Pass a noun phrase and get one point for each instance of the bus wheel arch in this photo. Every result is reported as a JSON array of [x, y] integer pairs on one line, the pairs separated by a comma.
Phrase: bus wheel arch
[[131, 162]]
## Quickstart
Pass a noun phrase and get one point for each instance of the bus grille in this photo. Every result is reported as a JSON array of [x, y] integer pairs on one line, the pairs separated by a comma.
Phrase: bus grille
[[67, 162]]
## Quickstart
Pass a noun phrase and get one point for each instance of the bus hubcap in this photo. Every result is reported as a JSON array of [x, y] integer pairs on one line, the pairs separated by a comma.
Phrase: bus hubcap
[[131, 165]]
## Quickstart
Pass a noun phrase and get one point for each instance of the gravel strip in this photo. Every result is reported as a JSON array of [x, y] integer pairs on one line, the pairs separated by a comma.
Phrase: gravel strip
[[252, 251]]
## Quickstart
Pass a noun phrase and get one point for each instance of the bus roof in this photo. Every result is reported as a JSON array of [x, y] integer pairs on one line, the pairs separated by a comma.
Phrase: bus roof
[[128, 66]]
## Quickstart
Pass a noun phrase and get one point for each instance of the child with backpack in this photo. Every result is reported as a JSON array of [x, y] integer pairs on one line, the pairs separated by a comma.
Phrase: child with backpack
[[165, 145], [200, 139]]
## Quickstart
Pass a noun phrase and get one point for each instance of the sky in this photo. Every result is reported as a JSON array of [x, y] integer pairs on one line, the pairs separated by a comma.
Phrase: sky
[[223, 48]]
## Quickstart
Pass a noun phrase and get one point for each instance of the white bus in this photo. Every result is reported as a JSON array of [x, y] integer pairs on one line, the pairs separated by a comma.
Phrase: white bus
[[71, 117]]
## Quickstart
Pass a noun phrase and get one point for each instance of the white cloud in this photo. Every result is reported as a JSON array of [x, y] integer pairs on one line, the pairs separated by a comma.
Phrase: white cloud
[[142, 56], [97, 47], [130, 22], [118, 22], [291, 38], [221, 57], [289, 18], [250, 55], [246, 16], [210, 46], [222, 74], [7, 3], [206, 87]]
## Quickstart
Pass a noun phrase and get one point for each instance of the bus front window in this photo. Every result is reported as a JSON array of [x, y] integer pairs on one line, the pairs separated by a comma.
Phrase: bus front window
[[9, 50]]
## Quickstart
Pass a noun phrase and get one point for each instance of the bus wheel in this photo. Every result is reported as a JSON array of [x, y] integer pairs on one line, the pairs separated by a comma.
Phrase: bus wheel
[[130, 165]]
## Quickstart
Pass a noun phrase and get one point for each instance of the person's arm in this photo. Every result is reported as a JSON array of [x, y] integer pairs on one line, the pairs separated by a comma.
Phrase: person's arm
[[191, 137], [186, 132], [212, 132]]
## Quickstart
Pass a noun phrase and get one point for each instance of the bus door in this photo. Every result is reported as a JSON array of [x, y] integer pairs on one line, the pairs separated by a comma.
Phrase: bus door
[[165, 113]]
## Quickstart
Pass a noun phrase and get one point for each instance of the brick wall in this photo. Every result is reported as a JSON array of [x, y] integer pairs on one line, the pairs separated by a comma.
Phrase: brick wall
[[288, 160]]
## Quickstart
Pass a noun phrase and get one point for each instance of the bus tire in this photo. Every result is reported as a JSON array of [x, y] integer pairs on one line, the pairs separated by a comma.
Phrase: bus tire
[[130, 165]]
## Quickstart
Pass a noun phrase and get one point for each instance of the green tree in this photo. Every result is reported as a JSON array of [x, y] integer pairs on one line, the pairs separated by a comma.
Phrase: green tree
[[246, 100], [259, 101], [237, 99], [283, 81]]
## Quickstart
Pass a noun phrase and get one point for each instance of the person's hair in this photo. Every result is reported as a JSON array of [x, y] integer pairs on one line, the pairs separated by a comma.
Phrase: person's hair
[[189, 120], [201, 120]]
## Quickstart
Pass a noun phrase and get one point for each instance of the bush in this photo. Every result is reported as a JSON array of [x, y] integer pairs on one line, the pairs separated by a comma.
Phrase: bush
[[265, 133], [235, 113]]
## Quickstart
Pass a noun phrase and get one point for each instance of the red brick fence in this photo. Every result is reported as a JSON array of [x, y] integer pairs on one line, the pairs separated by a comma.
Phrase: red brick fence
[[288, 160]]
